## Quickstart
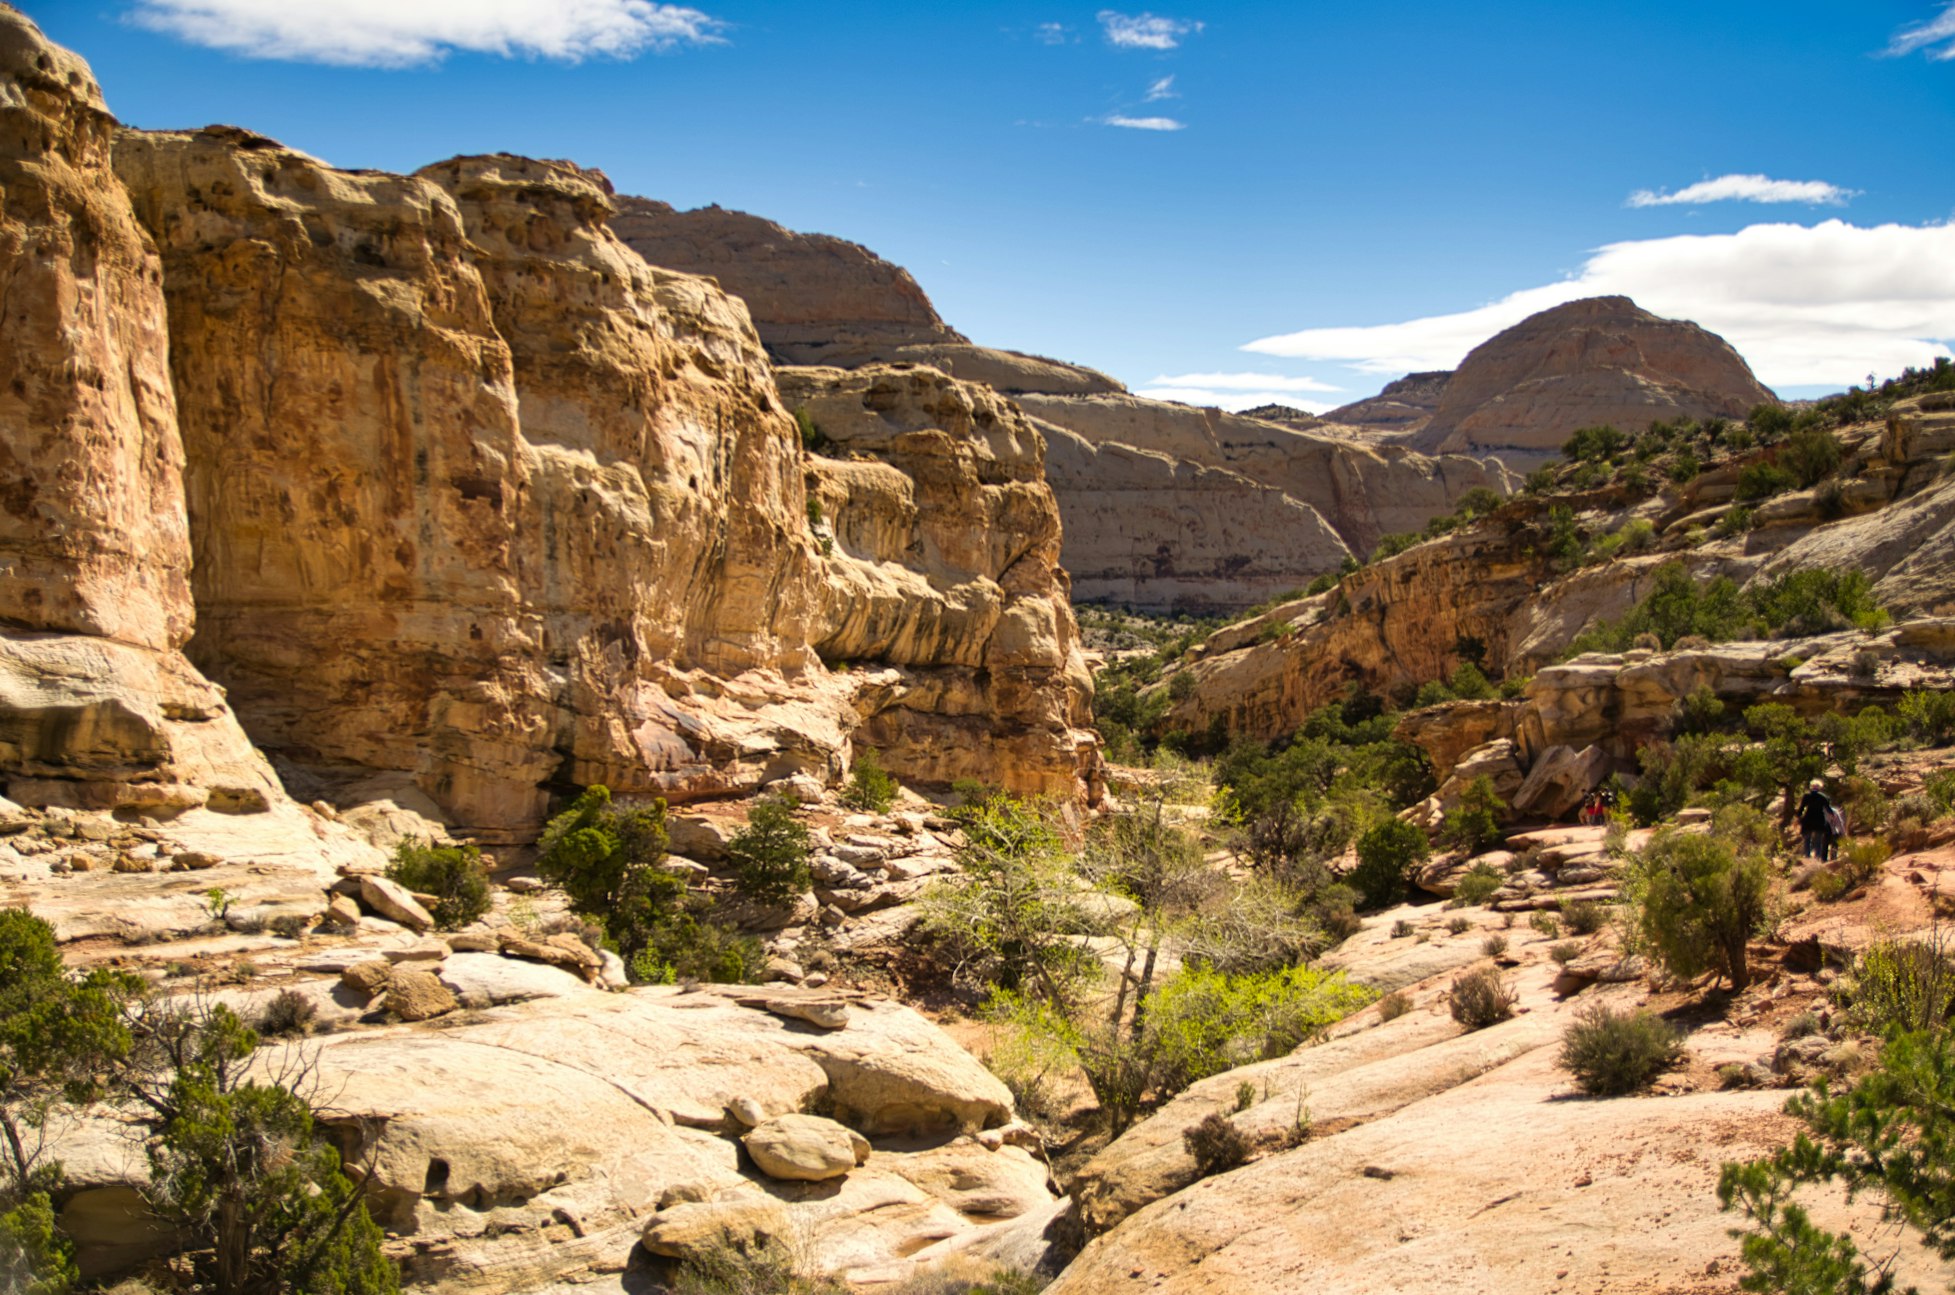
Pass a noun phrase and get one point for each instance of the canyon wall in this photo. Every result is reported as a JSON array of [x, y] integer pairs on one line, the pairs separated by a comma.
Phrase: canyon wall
[[441, 482]]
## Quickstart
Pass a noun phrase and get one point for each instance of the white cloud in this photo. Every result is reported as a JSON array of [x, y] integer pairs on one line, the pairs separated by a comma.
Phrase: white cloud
[[1143, 123], [1162, 89], [404, 33], [1745, 188], [1936, 37], [1145, 31], [1814, 305], [1051, 33]]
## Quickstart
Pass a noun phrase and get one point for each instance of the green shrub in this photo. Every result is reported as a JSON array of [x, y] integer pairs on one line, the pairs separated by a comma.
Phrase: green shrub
[[1696, 903], [1810, 454], [1480, 998], [1565, 952], [871, 788], [1203, 1022], [1388, 854], [453, 874], [1770, 422], [1585, 917], [813, 439], [1593, 444], [1545, 923], [1928, 716], [1323, 584], [1610, 1053], [1817, 600], [1458, 926], [1478, 884], [1939, 788], [692, 947], [289, 1013], [1216, 1144], [1494, 946], [770, 854], [607, 861], [1901, 985], [1762, 481], [1474, 824], [1732, 522]]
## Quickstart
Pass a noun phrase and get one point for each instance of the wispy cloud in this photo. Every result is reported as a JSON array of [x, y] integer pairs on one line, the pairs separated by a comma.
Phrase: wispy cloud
[[1051, 33], [1145, 31], [1815, 305], [1243, 382], [393, 33], [1238, 391], [1162, 89], [1143, 123], [1746, 188], [1936, 36]]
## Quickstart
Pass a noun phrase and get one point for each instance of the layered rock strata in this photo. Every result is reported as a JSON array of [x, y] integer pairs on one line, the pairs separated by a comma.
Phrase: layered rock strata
[[1598, 360]]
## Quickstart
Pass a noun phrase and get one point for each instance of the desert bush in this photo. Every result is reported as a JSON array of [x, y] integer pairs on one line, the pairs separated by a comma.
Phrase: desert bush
[[871, 787], [1696, 903], [1566, 952], [1928, 716], [1939, 788], [1545, 923], [288, 1013], [1480, 998], [1478, 884], [1860, 860], [1494, 946], [1816, 600], [453, 874], [1585, 917], [1387, 855], [770, 854], [1593, 444], [760, 1267], [1401, 928], [1458, 925], [692, 946], [1216, 1144], [1394, 1005], [1762, 480], [1474, 824], [1901, 985], [607, 860], [1610, 1053], [1810, 454]]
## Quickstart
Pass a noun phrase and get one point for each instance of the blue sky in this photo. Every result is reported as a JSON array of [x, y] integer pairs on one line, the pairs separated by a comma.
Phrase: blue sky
[[1353, 190]]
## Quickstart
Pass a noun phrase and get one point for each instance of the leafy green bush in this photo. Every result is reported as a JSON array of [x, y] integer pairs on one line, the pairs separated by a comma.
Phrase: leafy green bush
[[770, 854], [1480, 998], [871, 787], [1696, 902], [1732, 522], [1478, 884], [1593, 444], [1770, 422], [1387, 856], [1809, 601], [1901, 985], [1816, 600], [1809, 454], [1203, 1022], [1611, 1053], [1216, 1144], [1928, 716], [1762, 480], [1474, 824], [1939, 788], [453, 874], [607, 861], [687, 946]]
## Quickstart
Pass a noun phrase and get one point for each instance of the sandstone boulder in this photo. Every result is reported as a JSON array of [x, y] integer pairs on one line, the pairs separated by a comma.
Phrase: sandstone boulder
[[415, 995], [1561, 779], [392, 901], [805, 1148]]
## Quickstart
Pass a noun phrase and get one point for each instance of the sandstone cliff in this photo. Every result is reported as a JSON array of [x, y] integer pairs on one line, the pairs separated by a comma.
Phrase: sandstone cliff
[[98, 706], [1598, 360], [1403, 408]]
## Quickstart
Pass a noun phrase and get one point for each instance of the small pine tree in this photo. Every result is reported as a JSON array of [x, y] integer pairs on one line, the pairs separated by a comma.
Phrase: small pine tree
[[770, 855]]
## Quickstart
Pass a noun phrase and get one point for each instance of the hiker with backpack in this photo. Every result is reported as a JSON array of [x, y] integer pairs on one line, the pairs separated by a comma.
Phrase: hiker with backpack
[[1820, 822]]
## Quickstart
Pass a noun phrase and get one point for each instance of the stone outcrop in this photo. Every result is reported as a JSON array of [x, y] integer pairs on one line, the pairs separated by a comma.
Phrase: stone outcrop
[[1402, 409], [1598, 360], [812, 297]]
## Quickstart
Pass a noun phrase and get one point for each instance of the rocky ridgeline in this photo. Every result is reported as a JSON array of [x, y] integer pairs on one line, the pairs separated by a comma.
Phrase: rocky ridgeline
[[1165, 506], [1889, 512]]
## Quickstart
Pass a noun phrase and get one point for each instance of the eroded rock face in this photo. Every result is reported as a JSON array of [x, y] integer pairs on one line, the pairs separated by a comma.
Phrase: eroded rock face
[[811, 296], [1598, 360], [1403, 408], [945, 565]]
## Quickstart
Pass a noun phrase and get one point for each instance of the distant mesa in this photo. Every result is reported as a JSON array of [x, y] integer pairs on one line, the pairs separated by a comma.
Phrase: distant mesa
[[1403, 408], [1599, 360]]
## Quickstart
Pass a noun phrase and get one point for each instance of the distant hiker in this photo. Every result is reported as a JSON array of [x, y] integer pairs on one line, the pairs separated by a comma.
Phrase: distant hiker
[[1593, 810], [1817, 818]]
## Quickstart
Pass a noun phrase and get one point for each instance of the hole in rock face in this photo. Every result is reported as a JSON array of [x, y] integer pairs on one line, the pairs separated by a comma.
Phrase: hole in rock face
[[437, 1181]]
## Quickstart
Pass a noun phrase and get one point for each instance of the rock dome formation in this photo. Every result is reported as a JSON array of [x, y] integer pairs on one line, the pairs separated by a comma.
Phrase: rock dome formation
[[1598, 360]]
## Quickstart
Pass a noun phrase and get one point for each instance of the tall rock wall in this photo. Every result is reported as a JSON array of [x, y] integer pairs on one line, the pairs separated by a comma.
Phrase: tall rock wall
[[479, 496], [98, 707]]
